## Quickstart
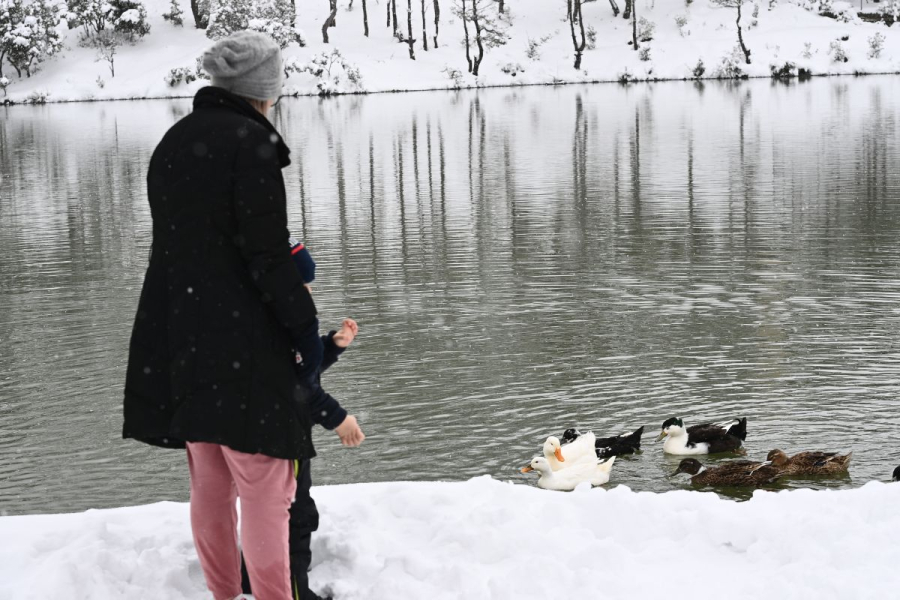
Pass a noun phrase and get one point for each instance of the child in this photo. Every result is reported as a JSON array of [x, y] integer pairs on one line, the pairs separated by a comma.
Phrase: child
[[325, 411]]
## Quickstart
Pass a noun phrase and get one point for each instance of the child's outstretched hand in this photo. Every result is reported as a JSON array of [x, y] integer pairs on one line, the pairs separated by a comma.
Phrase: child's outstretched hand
[[346, 334], [349, 431]]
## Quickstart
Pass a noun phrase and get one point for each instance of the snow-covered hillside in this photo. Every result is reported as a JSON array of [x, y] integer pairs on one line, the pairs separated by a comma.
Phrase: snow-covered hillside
[[496, 541], [783, 32]]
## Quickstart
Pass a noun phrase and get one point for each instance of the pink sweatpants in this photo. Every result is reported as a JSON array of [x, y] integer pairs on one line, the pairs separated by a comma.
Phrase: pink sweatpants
[[266, 487]]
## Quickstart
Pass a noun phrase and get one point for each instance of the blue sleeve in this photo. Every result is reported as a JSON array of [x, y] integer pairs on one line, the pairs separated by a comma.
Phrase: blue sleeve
[[324, 410], [331, 351]]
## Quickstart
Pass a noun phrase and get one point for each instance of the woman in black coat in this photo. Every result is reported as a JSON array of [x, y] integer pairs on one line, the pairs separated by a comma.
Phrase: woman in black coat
[[211, 363]]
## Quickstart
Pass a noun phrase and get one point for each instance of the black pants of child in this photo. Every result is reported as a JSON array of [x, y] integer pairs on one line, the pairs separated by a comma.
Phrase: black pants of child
[[304, 520]]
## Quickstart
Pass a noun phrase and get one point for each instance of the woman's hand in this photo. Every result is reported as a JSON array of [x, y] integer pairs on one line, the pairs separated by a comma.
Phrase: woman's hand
[[350, 433], [345, 336]]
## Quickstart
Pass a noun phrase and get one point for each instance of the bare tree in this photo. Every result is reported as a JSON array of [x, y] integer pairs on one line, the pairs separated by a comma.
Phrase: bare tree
[[424, 33], [577, 16], [410, 39], [200, 11], [437, 19], [462, 13], [365, 19], [736, 4], [627, 14], [393, 4], [331, 21], [634, 40], [615, 7], [490, 31]]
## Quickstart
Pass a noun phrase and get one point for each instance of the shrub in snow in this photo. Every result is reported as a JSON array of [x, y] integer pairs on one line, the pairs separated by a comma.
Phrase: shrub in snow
[[891, 9], [645, 30], [807, 50], [626, 76], [682, 21], [730, 65], [644, 53], [101, 83], [336, 74], [512, 69], [37, 97], [175, 14], [534, 47], [591, 38], [95, 15], [180, 75], [199, 70], [126, 17], [107, 43], [837, 52], [783, 71], [274, 17], [28, 33], [455, 76], [876, 45], [699, 69], [130, 18], [4, 83], [283, 34], [754, 17]]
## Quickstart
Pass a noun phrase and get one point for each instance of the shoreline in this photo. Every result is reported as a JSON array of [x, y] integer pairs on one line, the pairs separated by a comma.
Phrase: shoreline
[[798, 79]]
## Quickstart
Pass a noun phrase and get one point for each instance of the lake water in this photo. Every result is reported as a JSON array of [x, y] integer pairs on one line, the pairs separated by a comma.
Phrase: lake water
[[519, 260]]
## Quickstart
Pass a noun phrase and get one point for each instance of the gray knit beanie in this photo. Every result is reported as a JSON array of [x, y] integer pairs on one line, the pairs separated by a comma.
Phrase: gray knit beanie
[[246, 63]]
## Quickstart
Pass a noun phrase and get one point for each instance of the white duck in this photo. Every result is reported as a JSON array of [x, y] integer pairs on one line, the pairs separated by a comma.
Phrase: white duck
[[564, 480], [562, 457]]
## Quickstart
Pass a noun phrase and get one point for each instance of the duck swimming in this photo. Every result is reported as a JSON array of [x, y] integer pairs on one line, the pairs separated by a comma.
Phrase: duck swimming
[[897, 474], [708, 438], [617, 445], [564, 480], [733, 473], [810, 463], [562, 456]]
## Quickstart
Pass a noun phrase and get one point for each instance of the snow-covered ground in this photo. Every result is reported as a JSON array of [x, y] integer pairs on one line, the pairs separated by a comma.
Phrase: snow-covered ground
[[781, 34], [487, 540]]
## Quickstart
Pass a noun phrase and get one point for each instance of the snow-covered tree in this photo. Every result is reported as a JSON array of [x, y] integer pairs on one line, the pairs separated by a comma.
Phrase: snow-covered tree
[[129, 18], [490, 32], [126, 17], [737, 5], [336, 75], [175, 14], [28, 33], [273, 17]]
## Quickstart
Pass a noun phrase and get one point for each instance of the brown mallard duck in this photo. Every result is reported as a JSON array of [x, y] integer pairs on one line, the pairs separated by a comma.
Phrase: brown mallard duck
[[733, 473], [810, 463]]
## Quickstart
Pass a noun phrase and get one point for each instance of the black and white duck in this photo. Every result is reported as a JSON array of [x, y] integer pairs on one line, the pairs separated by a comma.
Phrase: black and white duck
[[709, 438], [617, 445], [810, 463], [897, 474], [732, 473]]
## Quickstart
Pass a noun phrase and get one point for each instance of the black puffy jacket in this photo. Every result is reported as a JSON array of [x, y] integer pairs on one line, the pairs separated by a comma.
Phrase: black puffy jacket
[[211, 355]]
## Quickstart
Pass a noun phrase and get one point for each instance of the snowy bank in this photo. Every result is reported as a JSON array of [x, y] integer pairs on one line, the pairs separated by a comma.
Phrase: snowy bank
[[487, 540], [539, 49]]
